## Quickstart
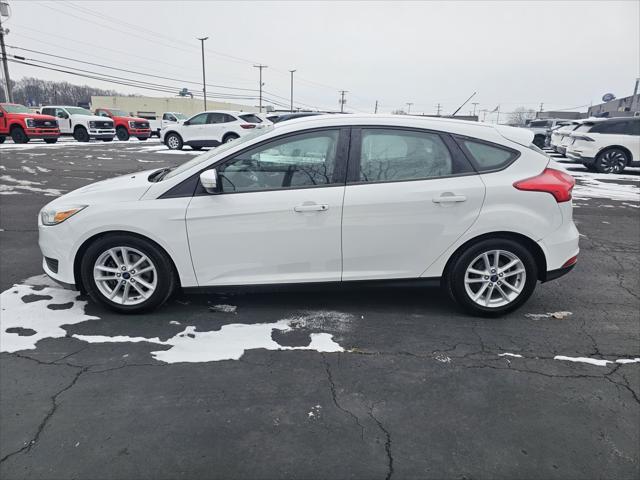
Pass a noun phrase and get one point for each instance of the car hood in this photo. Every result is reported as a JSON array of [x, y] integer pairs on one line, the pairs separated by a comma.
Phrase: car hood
[[125, 188], [133, 119], [35, 116]]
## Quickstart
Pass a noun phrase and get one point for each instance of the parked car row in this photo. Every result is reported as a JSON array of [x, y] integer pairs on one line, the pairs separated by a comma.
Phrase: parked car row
[[542, 128], [22, 125], [601, 145]]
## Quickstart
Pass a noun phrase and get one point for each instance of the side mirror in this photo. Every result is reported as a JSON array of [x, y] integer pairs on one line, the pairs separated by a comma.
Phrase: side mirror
[[186, 123], [209, 180], [1, 114]]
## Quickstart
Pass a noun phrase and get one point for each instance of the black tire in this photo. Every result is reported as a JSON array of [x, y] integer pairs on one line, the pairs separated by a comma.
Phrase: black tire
[[229, 137], [51, 140], [81, 134], [196, 147], [611, 160], [122, 134], [539, 141], [590, 167], [166, 276], [143, 139], [18, 135], [107, 139], [454, 280], [173, 141], [2, 139]]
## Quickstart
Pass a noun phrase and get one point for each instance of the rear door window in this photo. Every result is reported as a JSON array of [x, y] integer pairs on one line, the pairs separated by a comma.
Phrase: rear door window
[[487, 157], [251, 118], [611, 127]]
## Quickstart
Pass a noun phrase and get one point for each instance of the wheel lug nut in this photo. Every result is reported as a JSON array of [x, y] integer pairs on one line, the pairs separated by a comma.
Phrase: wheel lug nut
[[486, 277], [123, 268], [117, 274], [132, 280], [502, 274], [132, 272], [493, 270], [499, 283]]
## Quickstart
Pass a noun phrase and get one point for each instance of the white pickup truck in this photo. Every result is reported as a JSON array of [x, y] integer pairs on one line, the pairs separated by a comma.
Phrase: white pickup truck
[[168, 118], [81, 123]]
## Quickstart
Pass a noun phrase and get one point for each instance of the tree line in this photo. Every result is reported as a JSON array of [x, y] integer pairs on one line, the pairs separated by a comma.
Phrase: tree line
[[32, 91]]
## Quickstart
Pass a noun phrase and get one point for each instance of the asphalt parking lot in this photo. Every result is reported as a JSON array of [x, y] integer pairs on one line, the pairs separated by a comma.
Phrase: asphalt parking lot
[[354, 383]]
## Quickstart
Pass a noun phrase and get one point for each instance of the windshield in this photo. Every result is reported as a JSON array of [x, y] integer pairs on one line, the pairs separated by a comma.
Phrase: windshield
[[179, 116], [78, 111], [119, 113], [214, 151], [15, 108]]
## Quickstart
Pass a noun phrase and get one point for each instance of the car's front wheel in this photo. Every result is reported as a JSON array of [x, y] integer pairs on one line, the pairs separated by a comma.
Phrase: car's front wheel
[[492, 277], [173, 141], [81, 134], [127, 274], [50, 140], [612, 160], [122, 134]]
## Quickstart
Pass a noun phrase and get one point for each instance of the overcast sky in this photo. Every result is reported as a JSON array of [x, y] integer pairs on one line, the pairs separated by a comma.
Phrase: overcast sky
[[564, 54]]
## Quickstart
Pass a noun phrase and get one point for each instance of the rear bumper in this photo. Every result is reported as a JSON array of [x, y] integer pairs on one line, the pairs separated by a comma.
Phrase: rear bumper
[[553, 274]]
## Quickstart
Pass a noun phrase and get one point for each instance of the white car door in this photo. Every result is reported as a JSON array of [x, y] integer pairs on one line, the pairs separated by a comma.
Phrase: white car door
[[194, 128], [217, 126], [276, 216], [64, 120], [408, 198]]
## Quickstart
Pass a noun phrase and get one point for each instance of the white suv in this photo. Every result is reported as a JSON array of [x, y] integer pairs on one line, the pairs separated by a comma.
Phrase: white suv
[[337, 198], [81, 123], [210, 129], [607, 146]]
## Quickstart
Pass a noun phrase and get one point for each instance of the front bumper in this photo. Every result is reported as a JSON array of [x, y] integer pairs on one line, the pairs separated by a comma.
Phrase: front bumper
[[140, 133], [102, 133], [55, 245], [42, 132]]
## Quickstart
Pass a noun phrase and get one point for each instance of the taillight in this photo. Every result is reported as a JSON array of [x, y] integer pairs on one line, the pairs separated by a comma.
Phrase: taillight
[[572, 261], [555, 182], [248, 125]]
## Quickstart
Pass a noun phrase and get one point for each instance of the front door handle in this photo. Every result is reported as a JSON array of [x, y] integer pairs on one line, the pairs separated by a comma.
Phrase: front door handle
[[313, 207], [449, 197]]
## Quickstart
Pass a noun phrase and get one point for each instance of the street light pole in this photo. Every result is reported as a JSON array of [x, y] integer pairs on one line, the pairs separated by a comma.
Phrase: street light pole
[[292, 71], [260, 67], [409, 107], [204, 85]]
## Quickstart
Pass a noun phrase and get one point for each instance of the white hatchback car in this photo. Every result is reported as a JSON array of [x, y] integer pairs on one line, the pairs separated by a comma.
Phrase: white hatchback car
[[210, 129], [608, 146], [337, 198]]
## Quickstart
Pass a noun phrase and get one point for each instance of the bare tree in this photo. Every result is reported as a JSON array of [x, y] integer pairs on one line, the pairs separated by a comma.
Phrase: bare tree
[[34, 91], [520, 115]]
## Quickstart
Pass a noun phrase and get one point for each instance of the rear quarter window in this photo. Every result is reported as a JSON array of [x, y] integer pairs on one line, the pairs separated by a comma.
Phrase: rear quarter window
[[251, 118], [485, 156]]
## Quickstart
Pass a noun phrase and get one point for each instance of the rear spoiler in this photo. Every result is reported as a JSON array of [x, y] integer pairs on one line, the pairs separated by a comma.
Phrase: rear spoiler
[[522, 136]]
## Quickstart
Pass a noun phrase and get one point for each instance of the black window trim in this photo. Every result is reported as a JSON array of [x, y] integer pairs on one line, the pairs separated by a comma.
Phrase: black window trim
[[457, 156], [191, 186], [459, 139]]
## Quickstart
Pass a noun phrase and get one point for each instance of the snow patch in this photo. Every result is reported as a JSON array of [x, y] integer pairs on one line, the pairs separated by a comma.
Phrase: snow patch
[[558, 315], [506, 354], [223, 308], [590, 361]]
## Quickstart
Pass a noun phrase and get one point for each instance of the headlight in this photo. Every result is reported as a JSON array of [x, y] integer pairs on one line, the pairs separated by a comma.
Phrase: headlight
[[132, 124], [54, 216], [92, 124], [30, 122]]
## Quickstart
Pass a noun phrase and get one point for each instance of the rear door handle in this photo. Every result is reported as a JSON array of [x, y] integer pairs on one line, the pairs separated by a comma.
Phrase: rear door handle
[[449, 198], [313, 207]]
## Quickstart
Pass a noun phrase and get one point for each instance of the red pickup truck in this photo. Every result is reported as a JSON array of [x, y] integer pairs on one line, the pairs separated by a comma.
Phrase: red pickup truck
[[126, 126], [21, 125]]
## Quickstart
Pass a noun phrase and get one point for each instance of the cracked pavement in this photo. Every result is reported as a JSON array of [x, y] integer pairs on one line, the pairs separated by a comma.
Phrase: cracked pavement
[[420, 392]]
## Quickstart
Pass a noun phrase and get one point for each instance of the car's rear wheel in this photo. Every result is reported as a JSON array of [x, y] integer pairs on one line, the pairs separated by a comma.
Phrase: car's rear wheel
[[229, 137], [143, 139], [18, 135], [2, 139], [50, 140], [612, 160], [197, 147], [107, 139], [127, 274], [122, 134], [173, 141], [492, 277]]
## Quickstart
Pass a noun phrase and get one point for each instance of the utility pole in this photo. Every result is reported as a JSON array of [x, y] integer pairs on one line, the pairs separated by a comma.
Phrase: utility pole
[[541, 105], [342, 100], [375, 110], [438, 107], [475, 104], [5, 66], [635, 92], [292, 71], [204, 84], [498, 117], [260, 67], [409, 107]]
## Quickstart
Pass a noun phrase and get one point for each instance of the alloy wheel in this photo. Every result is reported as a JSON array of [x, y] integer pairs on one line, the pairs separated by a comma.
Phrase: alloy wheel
[[125, 275], [173, 143], [495, 278], [613, 161]]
